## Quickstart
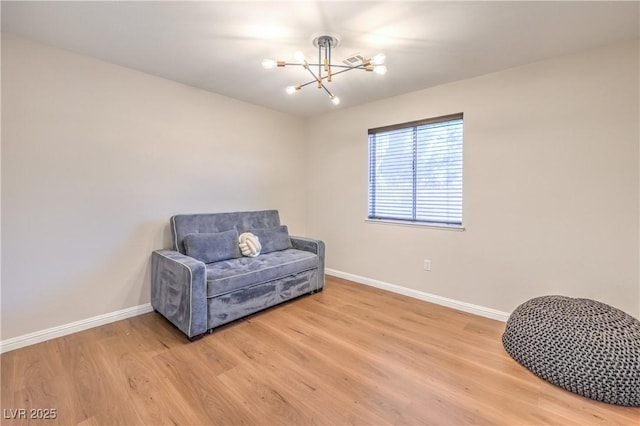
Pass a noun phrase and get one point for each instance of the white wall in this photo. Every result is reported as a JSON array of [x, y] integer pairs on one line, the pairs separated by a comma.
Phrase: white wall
[[96, 158], [551, 186]]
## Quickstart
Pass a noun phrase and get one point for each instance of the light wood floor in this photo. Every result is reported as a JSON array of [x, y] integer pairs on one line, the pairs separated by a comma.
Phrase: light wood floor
[[349, 355]]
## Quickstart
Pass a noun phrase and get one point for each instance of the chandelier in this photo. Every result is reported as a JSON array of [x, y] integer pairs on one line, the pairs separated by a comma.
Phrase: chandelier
[[325, 69]]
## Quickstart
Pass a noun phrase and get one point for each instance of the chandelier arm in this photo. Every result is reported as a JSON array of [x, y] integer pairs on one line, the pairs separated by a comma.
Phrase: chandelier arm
[[319, 80], [357, 67], [308, 83], [326, 90], [324, 77], [349, 67], [319, 61]]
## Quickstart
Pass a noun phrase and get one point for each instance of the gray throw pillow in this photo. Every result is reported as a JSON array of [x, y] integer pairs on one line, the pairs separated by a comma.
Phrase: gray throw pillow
[[273, 239], [210, 248]]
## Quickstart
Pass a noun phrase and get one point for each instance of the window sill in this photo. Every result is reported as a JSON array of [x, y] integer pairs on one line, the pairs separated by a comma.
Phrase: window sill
[[458, 228]]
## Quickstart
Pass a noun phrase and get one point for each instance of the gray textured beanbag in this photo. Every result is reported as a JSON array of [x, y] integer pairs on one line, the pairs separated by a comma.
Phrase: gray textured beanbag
[[581, 345]]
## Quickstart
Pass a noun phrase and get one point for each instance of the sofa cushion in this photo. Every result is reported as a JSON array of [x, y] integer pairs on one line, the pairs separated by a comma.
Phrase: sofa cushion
[[212, 247], [229, 275], [273, 239]]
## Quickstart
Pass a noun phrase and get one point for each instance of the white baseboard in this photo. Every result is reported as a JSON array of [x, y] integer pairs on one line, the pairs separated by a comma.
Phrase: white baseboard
[[416, 294], [74, 327]]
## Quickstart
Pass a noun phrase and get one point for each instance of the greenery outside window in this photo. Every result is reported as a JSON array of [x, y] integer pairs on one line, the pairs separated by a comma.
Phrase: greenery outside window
[[415, 172]]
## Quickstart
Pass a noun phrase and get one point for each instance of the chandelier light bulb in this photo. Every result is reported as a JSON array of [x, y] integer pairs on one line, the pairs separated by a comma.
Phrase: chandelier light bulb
[[269, 64], [378, 59], [380, 69], [335, 100], [291, 90], [299, 56]]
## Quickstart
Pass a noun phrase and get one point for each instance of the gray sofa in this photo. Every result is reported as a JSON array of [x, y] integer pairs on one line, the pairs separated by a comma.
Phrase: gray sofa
[[205, 282]]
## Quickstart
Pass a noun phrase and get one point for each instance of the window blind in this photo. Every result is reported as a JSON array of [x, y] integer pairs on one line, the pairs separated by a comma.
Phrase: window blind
[[415, 171]]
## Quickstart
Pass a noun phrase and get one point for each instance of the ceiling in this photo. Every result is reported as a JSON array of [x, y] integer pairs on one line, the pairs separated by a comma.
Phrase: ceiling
[[219, 45]]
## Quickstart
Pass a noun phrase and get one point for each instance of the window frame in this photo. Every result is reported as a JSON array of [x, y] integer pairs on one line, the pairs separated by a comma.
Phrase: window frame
[[406, 222]]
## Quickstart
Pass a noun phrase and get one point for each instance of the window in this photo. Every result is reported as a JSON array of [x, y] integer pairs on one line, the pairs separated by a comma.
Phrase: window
[[415, 172]]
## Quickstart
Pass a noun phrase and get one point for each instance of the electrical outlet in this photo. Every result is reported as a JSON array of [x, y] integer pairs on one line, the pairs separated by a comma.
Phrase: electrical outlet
[[427, 265]]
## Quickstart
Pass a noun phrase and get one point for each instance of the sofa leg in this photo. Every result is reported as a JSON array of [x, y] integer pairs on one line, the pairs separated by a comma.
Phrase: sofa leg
[[196, 337], [210, 331]]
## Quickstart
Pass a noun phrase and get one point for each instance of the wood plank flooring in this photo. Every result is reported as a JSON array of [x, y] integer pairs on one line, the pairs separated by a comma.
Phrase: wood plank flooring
[[349, 355]]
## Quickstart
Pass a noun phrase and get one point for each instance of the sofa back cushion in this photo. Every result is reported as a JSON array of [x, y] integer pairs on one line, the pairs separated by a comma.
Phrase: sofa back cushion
[[184, 224], [212, 247], [273, 239]]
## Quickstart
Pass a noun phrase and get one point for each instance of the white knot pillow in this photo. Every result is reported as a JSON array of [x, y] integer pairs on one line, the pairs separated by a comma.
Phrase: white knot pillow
[[249, 244]]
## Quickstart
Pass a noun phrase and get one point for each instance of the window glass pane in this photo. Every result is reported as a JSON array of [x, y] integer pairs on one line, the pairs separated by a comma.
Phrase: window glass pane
[[393, 174], [439, 173]]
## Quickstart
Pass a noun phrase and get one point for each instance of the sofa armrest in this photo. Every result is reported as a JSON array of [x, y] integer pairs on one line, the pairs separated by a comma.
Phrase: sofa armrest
[[313, 246], [179, 290]]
